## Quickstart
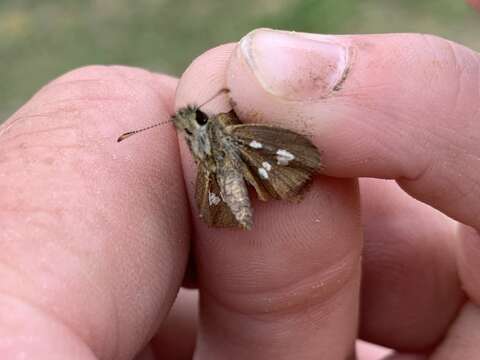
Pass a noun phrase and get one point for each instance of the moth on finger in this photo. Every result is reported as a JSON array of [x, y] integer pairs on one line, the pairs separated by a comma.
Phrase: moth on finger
[[230, 155]]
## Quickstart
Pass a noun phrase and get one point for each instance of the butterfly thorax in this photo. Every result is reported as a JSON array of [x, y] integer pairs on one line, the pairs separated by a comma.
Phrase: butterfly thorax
[[202, 134]]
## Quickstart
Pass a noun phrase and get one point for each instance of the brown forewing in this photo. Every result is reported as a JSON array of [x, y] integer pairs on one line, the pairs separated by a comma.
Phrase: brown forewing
[[274, 138], [285, 180]]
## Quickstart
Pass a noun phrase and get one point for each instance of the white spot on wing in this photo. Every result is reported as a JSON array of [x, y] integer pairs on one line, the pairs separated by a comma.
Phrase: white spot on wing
[[263, 173], [213, 199], [255, 144], [266, 165], [284, 157]]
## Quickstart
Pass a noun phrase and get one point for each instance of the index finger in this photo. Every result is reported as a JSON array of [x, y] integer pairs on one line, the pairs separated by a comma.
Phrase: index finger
[[289, 288]]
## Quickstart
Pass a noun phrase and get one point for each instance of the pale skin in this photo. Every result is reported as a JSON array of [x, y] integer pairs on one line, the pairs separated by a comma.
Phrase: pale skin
[[96, 235]]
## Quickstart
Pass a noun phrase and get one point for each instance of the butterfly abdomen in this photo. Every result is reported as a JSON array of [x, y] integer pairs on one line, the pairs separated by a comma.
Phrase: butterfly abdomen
[[235, 193]]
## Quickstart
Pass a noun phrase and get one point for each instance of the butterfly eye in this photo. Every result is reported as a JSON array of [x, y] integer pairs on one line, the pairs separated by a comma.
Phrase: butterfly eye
[[200, 117], [188, 131]]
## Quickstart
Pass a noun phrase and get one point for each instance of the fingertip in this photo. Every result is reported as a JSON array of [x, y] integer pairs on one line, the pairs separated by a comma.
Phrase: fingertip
[[286, 73], [204, 78], [106, 72], [28, 332]]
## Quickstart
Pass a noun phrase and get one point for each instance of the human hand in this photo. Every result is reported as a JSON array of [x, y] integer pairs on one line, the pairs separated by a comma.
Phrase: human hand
[[402, 107], [96, 234]]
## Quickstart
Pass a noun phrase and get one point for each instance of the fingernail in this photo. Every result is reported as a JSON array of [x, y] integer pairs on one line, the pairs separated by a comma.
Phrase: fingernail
[[294, 66]]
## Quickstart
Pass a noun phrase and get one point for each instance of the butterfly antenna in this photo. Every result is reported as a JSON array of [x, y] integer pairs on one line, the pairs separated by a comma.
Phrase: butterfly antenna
[[219, 92], [130, 133]]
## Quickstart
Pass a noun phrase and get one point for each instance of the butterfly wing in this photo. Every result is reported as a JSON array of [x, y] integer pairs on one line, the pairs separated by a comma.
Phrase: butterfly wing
[[213, 210], [280, 162]]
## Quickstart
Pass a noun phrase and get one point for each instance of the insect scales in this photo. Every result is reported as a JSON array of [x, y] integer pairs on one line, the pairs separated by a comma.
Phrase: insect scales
[[277, 162]]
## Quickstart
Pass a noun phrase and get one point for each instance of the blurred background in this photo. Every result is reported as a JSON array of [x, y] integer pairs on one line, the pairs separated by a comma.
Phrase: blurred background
[[41, 39]]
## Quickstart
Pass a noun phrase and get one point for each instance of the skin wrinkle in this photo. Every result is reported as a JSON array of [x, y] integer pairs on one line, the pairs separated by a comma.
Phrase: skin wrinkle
[[406, 119], [316, 315], [60, 84], [57, 147], [278, 332], [469, 195], [416, 176], [15, 270], [65, 249], [430, 163], [21, 117], [48, 130], [448, 131], [449, 184], [49, 314], [424, 146], [332, 281], [461, 67], [471, 66], [88, 99], [469, 268], [15, 121], [23, 210], [459, 94], [58, 112], [79, 256], [387, 146], [439, 63], [294, 315], [85, 278], [127, 80], [110, 73], [80, 104]]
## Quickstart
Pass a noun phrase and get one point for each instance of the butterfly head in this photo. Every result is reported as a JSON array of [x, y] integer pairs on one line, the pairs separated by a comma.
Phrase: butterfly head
[[190, 120], [193, 123]]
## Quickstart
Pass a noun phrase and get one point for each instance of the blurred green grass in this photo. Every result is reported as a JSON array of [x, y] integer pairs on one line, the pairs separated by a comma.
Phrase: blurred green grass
[[40, 40]]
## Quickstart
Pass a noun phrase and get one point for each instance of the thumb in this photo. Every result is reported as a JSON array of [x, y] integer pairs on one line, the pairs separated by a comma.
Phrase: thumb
[[399, 106]]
